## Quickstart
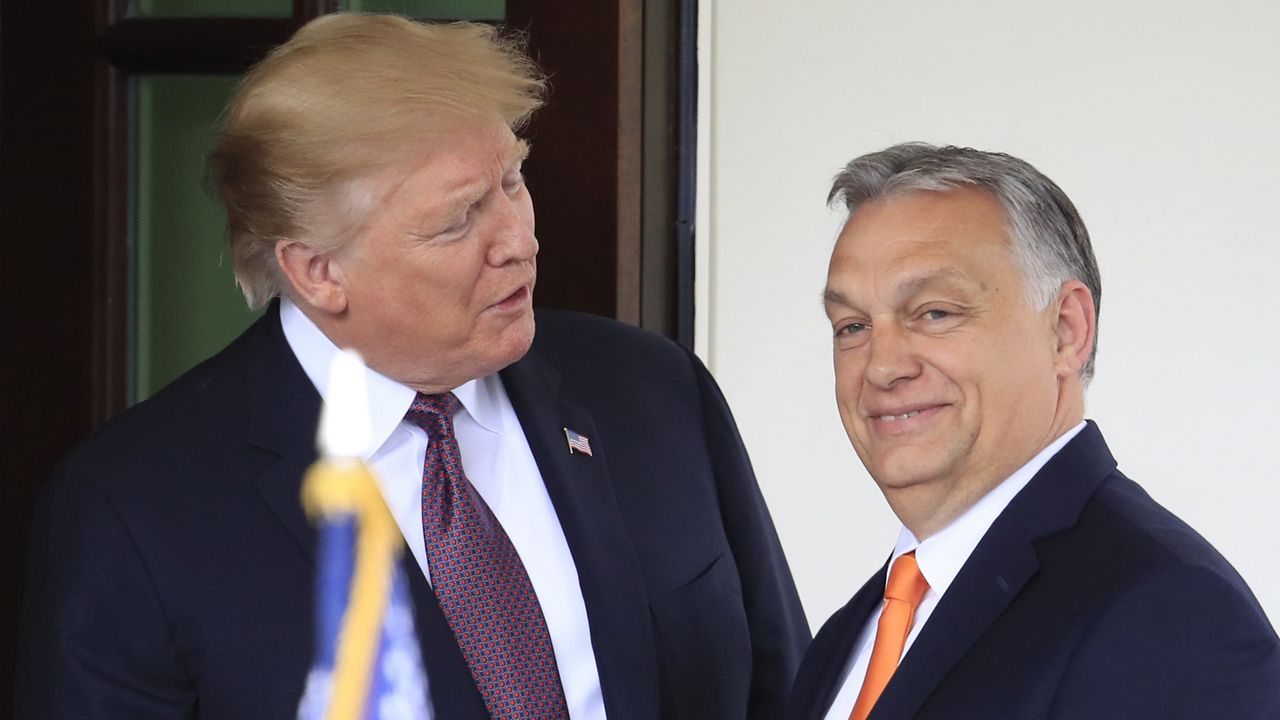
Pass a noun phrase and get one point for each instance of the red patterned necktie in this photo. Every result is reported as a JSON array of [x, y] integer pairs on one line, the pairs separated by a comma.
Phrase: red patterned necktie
[[481, 584]]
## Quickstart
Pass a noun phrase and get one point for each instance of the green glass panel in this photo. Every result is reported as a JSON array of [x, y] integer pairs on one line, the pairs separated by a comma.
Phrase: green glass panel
[[186, 303], [212, 8], [434, 9]]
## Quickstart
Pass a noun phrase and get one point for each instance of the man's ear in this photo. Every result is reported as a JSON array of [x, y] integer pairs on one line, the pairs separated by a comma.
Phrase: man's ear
[[1075, 326], [313, 274]]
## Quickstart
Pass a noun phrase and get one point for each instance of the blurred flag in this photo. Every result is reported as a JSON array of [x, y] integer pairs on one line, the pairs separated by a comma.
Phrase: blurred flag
[[368, 665]]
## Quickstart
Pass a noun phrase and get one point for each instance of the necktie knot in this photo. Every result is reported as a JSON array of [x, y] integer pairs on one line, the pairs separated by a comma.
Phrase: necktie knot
[[906, 584], [434, 413]]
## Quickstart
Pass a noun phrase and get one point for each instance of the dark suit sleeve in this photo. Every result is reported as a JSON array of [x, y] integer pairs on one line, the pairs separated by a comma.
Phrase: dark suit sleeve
[[94, 640], [1182, 643], [779, 632]]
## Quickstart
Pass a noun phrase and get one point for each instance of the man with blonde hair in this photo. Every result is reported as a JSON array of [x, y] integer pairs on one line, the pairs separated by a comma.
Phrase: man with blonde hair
[[585, 535]]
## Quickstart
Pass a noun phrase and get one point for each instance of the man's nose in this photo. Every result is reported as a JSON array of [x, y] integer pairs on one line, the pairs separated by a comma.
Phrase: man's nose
[[892, 356], [514, 240]]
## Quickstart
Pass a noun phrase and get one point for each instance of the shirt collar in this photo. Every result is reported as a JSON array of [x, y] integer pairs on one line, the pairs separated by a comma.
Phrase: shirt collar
[[942, 554], [388, 399], [482, 399]]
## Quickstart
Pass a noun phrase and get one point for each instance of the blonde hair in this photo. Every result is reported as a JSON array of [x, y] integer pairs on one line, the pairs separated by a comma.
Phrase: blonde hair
[[345, 95]]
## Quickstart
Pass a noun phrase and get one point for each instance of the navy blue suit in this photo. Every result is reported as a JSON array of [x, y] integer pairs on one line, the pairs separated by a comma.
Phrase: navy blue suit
[[171, 564], [1086, 599]]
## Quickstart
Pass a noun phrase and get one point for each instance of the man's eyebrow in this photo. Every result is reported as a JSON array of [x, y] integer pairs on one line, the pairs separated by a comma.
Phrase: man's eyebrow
[[462, 199], [466, 195], [515, 156], [519, 152], [833, 297]]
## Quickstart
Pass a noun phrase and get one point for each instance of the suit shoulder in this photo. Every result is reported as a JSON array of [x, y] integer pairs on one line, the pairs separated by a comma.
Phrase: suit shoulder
[[1144, 528], [1152, 615], [201, 408], [568, 324], [572, 339], [1182, 640], [1125, 541]]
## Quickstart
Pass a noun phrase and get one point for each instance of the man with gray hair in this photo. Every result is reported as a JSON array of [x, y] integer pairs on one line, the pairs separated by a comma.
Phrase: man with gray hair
[[1031, 579]]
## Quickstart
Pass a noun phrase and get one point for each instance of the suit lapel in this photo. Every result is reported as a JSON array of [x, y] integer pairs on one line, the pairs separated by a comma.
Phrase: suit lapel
[[608, 566], [839, 649], [996, 572], [280, 485], [998, 569]]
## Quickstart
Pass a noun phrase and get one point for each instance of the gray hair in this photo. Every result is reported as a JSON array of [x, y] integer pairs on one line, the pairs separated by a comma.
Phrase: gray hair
[[1049, 241]]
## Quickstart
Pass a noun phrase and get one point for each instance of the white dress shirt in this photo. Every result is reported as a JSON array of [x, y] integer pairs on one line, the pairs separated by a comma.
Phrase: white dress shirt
[[498, 462], [940, 558]]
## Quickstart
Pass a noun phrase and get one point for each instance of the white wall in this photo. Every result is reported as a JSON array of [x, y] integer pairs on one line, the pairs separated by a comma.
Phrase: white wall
[[1161, 120]]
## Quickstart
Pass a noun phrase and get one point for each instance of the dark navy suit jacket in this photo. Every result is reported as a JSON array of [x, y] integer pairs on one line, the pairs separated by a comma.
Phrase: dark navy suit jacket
[[1086, 600], [171, 564]]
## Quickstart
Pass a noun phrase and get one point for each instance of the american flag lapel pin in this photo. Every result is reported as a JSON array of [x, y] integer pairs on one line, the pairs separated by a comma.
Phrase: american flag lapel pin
[[577, 442]]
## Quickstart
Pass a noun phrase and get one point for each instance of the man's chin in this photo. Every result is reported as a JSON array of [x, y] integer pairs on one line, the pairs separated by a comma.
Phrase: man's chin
[[901, 473], [515, 340]]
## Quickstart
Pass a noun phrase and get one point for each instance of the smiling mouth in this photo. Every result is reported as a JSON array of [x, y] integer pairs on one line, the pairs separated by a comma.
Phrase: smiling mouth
[[910, 420], [894, 418]]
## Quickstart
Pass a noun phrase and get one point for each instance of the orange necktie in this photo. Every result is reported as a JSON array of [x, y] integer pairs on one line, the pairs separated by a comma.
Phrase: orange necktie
[[901, 596]]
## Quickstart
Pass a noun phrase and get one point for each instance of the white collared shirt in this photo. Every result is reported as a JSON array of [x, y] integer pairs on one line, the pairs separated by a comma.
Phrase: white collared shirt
[[499, 464], [940, 558]]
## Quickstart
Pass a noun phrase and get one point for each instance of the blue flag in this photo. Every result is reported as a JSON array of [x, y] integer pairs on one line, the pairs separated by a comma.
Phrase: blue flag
[[367, 664]]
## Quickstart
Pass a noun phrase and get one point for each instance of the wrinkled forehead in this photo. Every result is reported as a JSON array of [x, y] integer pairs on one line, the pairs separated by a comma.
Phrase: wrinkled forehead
[[924, 221], [430, 136], [443, 146], [447, 160], [464, 155], [903, 243]]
